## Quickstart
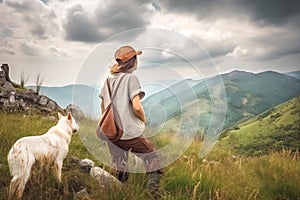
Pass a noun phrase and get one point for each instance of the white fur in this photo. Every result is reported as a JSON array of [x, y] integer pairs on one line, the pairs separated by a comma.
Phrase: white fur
[[49, 150]]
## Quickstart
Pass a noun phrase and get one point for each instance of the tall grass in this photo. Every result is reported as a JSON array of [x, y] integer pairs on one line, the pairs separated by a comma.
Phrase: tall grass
[[23, 79], [39, 82], [272, 176]]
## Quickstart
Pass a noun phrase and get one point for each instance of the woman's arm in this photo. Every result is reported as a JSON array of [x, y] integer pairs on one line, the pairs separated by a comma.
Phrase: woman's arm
[[102, 106], [138, 108]]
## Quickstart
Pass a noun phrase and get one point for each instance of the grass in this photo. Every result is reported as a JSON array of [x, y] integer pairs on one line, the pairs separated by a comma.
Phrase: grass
[[233, 171], [274, 130]]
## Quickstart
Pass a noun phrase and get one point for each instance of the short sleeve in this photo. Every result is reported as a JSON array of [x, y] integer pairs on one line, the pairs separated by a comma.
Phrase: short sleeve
[[135, 87], [101, 94]]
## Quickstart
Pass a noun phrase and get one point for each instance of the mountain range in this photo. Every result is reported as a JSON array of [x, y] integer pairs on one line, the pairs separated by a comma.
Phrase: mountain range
[[247, 95]]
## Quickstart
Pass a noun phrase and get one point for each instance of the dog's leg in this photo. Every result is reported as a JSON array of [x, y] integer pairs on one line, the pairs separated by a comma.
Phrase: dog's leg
[[13, 187], [57, 169], [25, 176], [57, 173], [20, 164], [17, 184]]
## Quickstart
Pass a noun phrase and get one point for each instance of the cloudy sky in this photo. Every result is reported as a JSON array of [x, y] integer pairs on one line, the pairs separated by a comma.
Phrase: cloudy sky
[[73, 41]]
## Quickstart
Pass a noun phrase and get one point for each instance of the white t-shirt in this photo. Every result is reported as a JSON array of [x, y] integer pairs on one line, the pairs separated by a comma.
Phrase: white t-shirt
[[128, 88]]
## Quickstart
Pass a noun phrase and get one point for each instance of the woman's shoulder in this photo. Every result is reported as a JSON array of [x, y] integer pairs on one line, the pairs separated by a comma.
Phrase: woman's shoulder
[[130, 76]]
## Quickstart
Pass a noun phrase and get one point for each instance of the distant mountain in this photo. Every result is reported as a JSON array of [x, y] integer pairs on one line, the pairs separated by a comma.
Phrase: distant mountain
[[62, 95], [247, 95], [168, 103], [84, 96], [295, 74], [250, 94]]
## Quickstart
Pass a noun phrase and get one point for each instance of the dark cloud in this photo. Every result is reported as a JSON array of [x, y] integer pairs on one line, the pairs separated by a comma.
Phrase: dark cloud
[[201, 9], [280, 44], [45, 1], [280, 17], [39, 30], [270, 11], [156, 6], [19, 6], [35, 17], [29, 49], [105, 21], [79, 27], [7, 32], [7, 51], [263, 12], [122, 15]]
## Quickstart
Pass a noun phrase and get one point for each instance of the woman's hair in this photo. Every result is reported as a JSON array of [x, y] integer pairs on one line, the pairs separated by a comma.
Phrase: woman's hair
[[123, 67]]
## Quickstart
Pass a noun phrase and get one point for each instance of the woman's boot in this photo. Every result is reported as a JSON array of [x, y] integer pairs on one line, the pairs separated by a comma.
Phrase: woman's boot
[[153, 189]]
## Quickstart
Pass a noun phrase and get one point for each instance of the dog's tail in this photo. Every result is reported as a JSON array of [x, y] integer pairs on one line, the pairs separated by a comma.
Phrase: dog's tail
[[20, 162], [17, 159]]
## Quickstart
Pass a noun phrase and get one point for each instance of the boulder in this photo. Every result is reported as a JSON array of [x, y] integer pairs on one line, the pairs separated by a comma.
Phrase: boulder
[[82, 195], [104, 178], [43, 100], [16, 100], [2, 78], [7, 87], [76, 111], [12, 98], [5, 69]]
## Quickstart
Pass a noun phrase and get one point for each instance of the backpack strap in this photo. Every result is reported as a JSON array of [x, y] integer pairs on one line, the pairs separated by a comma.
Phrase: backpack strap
[[112, 95]]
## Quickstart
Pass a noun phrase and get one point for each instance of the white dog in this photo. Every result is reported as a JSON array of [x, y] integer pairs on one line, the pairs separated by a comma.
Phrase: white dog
[[48, 149]]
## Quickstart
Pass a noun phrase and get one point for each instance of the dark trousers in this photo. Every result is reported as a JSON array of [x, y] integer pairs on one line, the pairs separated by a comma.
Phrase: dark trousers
[[141, 147]]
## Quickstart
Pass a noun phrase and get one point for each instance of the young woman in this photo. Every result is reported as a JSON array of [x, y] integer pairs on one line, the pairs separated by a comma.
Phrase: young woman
[[128, 105]]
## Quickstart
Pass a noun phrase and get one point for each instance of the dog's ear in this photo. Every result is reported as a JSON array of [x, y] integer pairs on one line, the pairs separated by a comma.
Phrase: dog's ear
[[69, 116], [59, 115]]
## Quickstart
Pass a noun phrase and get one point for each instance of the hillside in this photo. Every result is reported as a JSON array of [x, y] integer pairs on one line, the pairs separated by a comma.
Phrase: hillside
[[257, 159], [221, 176], [247, 95], [273, 130]]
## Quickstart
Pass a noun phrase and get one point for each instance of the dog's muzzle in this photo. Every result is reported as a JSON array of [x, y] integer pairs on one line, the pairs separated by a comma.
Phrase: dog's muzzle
[[75, 131]]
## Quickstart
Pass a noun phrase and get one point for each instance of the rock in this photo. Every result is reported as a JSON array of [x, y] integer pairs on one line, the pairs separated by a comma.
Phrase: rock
[[5, 69], [74, 159], [5, 104], [43, 100], [104, 178], [76, 183], [8, 87], [51, 104], [2, 78], [3, 94], [45, 110], [16, 100], [52, 118], [86, 165], [12, 98], [76, 111], [22, 104], [82, 195]]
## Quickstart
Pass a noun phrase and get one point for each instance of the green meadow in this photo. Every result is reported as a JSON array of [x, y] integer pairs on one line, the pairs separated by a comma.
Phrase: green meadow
[[257, 159]]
